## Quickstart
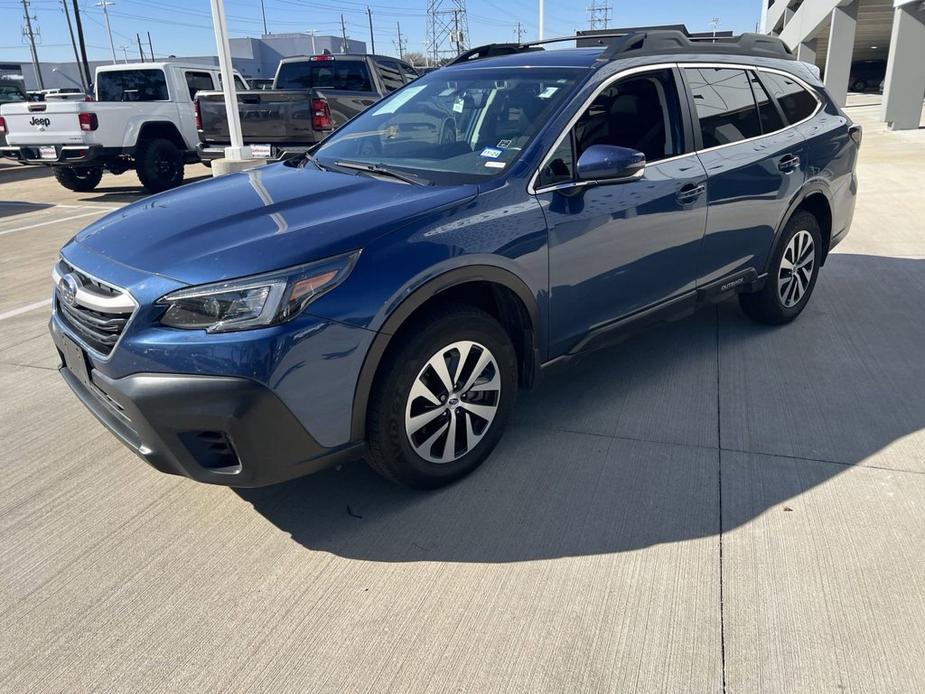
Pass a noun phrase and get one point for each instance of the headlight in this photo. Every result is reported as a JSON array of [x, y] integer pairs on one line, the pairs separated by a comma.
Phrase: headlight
[[254, 302]]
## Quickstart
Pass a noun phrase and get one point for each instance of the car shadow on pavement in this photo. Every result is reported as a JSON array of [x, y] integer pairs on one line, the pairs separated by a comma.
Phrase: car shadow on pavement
[[11, 208], [620, 452]]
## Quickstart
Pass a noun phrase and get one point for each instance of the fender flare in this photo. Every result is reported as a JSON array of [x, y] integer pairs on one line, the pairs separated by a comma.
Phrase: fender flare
[[401, 313], [810, 188]]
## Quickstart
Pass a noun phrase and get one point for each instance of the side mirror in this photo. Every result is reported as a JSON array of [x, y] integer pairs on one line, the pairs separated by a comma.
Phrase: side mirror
[[609, 163]]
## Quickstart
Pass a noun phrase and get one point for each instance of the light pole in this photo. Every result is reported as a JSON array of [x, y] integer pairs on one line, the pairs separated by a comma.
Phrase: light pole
[[313, 32], [541, 20], [237, 151]]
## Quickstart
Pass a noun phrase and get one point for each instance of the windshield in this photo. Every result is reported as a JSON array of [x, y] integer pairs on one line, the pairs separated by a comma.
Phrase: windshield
[[10, 93], [454, 126]]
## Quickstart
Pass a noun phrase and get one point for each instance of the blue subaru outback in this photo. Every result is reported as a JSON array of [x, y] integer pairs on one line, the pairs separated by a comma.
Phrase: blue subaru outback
[[386, 296]]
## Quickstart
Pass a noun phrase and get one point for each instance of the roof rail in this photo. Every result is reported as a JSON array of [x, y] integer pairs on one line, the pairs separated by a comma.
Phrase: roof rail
[[620, 44]]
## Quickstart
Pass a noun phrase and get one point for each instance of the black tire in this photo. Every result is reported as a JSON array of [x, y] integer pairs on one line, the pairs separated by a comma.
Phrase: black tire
[[392, 453], [780, 300], [159, 164], [81, 179]]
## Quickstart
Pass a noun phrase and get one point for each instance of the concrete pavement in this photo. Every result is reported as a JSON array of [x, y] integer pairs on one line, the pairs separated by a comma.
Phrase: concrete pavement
[[712, 506]]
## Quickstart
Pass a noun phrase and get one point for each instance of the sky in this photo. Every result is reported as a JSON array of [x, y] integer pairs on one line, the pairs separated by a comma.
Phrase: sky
[[184, 27]]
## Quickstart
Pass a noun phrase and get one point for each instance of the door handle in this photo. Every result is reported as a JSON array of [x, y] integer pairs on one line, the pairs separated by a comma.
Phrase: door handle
[[691, 192], [789, 164]]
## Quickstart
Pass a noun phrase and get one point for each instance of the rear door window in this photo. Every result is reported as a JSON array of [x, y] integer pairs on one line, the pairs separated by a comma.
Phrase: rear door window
[[132, 85], [389, 74], [771, 120], [726, 108], [338, 74], [198, 82], [796, 103]]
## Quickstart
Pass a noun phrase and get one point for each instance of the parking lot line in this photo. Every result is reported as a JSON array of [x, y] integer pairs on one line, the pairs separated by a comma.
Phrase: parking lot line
[[51, 221], [24, 309]]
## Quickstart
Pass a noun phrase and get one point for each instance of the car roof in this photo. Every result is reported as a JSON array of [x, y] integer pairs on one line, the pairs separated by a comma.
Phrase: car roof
[[560, 57]]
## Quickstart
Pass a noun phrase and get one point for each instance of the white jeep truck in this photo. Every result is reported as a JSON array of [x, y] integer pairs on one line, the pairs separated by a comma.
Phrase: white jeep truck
[[142, 118]]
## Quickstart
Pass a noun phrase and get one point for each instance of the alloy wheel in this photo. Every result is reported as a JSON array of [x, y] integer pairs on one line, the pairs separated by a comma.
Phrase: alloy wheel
[[796, 269], [452, 402]]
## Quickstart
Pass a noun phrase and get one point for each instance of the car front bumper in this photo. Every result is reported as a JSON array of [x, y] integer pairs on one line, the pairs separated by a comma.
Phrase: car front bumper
[[214, 429]]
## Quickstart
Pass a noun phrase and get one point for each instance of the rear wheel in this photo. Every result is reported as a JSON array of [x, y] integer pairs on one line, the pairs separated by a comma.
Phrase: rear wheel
[[159, 164], [793, 274], [443, 399], [82, 179]]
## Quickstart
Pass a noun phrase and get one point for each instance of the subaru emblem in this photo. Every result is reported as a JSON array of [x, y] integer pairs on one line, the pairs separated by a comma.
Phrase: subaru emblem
[[67, 289]]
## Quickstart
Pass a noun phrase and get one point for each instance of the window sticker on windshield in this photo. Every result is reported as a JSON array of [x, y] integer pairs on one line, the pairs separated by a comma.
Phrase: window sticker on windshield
[[495, 164], [399, 100], [491, 153], [548, 92], [459, 104], [504, 144]]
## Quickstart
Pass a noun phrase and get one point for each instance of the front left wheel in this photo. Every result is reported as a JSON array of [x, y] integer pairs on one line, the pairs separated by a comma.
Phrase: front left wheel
[[443, 398]]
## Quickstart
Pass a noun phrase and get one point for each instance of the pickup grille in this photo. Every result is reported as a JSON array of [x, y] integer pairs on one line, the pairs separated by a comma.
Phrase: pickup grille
[[97, 314]]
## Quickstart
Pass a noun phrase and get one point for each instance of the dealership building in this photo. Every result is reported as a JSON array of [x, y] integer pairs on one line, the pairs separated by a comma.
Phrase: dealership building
[[252, 57], [860, 44]]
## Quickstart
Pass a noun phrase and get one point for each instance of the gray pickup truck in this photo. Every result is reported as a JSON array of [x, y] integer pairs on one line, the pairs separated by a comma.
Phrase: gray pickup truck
[[311, 96]]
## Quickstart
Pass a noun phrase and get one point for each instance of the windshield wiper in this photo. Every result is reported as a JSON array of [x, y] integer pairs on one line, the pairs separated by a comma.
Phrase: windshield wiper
[[380, 170]]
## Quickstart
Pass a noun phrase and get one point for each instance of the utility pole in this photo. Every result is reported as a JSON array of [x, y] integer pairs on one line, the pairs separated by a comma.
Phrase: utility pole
[[456, 38], [70, 30], [401, 43], [313, 32], [150, 45], [715, 23], [124, 53], [372, 38], [83, 46], [141, 51], [343, 31], [105, 5], [263, 12], [31, 36]]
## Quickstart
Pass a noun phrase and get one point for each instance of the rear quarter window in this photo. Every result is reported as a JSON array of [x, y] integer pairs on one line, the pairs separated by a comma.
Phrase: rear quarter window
[[132, 85], [795, 101]]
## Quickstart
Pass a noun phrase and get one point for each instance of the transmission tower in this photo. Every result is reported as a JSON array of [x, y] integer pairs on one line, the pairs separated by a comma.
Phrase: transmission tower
[[447, 29], [599, 14]]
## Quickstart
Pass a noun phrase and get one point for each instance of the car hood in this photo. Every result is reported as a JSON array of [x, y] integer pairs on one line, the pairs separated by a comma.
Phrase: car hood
[[264, 219]]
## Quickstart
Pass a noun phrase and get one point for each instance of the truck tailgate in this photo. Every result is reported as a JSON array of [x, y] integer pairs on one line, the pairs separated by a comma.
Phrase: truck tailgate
[[51, 122], [267, 116]]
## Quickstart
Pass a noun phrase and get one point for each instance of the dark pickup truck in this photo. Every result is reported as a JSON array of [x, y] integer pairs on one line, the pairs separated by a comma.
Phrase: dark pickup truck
[[311, 96]]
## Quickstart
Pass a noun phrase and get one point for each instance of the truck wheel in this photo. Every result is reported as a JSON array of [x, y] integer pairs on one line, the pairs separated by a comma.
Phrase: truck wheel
[[82, 179], [159, 165]]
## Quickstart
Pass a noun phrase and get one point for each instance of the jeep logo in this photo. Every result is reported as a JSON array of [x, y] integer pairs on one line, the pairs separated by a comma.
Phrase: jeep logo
[[40, 122]]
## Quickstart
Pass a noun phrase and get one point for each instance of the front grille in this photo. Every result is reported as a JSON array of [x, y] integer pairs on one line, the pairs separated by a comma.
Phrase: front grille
[[99, 312]]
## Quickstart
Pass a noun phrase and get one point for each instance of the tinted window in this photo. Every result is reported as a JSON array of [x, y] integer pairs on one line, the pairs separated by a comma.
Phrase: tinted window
[[347, 75], [10, 93], [132, 85], [390, 74], [725, 105], [561, 165], [454, 126], [767, 111], [641, 113], [409, 72], [238, 83], [796, 102], [198, 82]]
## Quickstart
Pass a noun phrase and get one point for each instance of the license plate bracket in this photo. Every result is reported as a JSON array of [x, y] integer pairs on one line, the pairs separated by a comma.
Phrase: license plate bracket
[[48, 152], [75, 359]]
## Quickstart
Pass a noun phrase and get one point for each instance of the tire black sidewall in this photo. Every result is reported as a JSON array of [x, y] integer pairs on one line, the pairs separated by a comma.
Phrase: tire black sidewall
[[802, 221], [150, 177], [408, 363]]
